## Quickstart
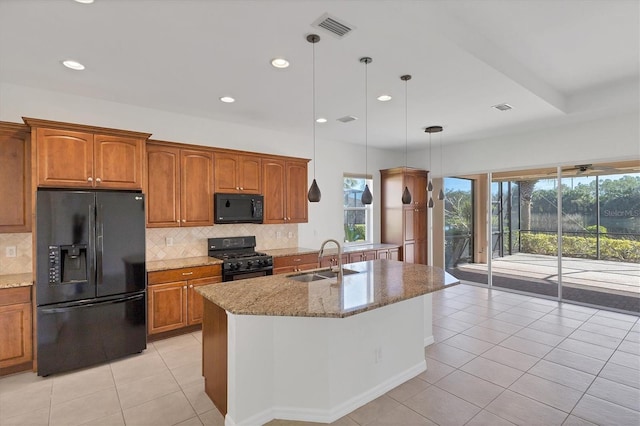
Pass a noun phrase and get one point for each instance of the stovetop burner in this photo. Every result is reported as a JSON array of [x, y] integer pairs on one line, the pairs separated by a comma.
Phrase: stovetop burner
[[233, 255], [239, 257]]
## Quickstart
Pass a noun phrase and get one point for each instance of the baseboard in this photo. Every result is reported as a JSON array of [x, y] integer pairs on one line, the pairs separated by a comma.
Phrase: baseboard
[[331, 415], [429, 341]]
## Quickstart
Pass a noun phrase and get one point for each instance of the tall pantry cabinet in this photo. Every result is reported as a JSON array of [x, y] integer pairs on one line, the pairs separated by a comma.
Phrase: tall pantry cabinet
[[405, 224]]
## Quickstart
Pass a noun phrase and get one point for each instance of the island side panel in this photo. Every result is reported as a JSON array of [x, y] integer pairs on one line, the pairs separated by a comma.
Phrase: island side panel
[[214, 351], [428, 320]]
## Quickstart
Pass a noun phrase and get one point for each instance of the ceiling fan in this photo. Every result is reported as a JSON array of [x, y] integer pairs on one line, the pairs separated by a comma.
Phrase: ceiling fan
[[589, 169]]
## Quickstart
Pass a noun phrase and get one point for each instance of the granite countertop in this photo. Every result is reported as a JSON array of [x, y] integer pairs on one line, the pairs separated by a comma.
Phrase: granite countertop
[[187, 262], [331, 249], [377, 283], [16, 280]]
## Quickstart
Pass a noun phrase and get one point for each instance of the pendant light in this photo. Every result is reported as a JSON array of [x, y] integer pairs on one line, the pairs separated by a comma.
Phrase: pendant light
[[406, 195], [367, 197], [431, 130], [314, 191]]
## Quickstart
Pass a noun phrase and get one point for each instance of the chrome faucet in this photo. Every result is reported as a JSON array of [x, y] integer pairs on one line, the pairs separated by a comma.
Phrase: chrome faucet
[[321, 254]]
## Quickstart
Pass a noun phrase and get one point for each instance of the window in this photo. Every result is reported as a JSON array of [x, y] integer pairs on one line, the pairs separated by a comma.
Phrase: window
[[357, 216]]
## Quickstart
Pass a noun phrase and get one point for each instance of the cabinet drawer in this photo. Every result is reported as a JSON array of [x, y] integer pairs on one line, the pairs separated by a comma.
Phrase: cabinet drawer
[[11, 296], [157, 277], [280, 262]]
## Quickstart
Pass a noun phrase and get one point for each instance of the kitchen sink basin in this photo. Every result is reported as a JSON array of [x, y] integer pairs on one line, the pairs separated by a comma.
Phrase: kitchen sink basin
[[307, 277], [332, 274]]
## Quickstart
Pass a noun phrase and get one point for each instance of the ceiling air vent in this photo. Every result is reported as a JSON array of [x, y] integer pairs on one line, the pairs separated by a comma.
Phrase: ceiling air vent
[[333, 25], [502, 107], [347, 118]]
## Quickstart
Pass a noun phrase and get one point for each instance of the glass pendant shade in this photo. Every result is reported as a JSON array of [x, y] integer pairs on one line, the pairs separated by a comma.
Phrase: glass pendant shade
[[367, 197], [430, 186], [314, 193], [430, 202], [441, 195], [406, 196]]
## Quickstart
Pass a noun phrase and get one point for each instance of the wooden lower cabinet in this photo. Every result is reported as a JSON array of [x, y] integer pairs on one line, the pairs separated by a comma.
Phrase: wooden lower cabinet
[[362, 256], [174, 303], [15, 324], [303, 262], [332, 260], [389, 254]]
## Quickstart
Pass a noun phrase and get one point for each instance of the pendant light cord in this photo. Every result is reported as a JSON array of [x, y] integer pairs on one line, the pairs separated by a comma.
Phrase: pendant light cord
[[313, 95], [366, 121], [406, 125]]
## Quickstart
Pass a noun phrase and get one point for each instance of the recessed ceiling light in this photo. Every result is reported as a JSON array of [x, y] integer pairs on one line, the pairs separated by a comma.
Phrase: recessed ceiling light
[[502, 107], [321, 120], [74, 65], [384, 98], [84, 1], [227, 99], [280, 63]]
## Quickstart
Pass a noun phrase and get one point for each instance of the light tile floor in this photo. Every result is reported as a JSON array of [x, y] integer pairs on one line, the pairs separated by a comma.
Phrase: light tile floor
[[499, 359]]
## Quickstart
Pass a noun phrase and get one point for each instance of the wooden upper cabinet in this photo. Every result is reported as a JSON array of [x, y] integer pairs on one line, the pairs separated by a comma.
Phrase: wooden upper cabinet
[[15, 178], [179, 186], [237, 173], [118, 162], [273, 177], [297, 191], [196, 188], [163, 186], [76, 156], [65, 158], [284, 184]]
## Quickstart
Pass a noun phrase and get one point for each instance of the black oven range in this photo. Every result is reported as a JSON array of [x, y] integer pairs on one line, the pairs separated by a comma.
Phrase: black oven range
[[239, 258]]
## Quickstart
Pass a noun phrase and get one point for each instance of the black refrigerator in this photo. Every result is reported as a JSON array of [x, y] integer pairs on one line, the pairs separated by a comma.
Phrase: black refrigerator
[[90, 278]]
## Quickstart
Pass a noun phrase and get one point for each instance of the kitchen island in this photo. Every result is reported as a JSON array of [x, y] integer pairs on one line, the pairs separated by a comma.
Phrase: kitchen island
[[276, 347]]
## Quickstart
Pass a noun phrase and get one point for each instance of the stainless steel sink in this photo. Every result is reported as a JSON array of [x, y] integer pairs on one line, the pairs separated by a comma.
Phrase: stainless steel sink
[[307, 277], [332, 274]]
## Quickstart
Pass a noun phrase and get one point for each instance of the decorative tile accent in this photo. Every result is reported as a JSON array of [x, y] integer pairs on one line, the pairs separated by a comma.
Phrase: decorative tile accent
[[192, 241], [20, 264]]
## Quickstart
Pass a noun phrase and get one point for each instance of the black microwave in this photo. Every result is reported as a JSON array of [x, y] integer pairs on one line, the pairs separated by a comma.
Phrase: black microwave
[[238, 208]]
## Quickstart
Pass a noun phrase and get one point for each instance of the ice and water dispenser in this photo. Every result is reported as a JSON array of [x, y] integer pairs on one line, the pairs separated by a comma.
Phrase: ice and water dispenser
[[68, 264]]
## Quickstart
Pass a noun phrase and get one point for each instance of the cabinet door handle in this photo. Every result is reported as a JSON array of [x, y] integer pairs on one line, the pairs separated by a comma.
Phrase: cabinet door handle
[[191, 286], [187, 273], [178, 220], [89, 179], [297, 260], [98, 180], [237, 188], [184, 220], [184, 287], [241, 189]]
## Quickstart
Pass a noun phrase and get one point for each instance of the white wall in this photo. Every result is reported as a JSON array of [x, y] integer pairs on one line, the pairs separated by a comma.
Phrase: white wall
[[614, 138], [333, 158]]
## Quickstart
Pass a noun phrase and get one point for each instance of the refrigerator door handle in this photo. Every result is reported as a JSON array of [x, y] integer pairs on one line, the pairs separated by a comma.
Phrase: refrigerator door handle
[[92, 240], [99, 243], [88, 305]]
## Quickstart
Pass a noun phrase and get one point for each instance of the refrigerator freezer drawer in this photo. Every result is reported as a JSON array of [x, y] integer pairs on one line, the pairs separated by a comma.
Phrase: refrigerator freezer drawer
[[72, 336]]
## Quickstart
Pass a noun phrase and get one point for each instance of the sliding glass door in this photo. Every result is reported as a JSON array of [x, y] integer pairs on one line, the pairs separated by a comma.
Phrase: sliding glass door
[[462, 259], [524, 225], [601, 237]]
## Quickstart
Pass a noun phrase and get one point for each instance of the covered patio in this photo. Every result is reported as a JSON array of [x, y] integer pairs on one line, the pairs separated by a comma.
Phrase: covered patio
[[597, 282]]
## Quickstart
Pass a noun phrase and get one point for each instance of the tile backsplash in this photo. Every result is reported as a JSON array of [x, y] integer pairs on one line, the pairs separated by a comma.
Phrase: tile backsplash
[[174, 243], [186, 242], [20, 264]]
